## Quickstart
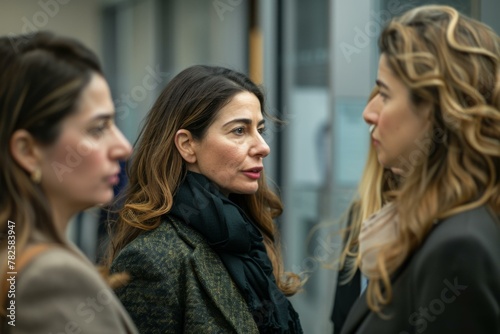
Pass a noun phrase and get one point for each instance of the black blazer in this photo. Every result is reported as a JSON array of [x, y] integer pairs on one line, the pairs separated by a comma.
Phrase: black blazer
[[345, 296], [450, 285]]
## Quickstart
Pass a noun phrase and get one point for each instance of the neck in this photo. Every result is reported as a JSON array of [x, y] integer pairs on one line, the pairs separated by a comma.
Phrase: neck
[[62, 211], [61, 219]]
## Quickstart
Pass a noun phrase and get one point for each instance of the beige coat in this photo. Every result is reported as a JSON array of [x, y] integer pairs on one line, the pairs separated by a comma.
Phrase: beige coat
[[60, 292]]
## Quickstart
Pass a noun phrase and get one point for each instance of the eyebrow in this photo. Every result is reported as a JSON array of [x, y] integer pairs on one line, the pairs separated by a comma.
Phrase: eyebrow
[[381, 84], [244, 120], [103, 116]]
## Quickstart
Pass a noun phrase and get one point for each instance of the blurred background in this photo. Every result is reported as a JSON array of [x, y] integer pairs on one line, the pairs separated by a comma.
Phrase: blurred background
[[317, 61]]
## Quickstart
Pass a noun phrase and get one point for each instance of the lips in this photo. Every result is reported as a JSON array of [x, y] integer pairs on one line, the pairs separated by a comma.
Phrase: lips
[[253, 173], [254, 170], [113, 180]]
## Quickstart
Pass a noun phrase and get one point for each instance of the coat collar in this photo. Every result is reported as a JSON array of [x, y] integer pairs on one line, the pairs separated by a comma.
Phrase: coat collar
[[220, 287], [216, 281], [360, 310], [358, 313]]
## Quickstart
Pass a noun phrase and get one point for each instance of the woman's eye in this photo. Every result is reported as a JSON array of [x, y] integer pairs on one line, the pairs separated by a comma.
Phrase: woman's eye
[[239, 131], [383, 96], [99, 130], [262, 131]]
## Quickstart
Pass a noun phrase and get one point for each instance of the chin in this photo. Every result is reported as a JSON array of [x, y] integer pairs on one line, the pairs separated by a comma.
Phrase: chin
[[247, 191], [384, 162], [104, 198], [252, 191]]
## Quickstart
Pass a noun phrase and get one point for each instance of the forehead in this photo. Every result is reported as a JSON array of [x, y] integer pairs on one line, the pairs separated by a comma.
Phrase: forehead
[[94, 99], [243, 104], [383, 67], [387, 79]]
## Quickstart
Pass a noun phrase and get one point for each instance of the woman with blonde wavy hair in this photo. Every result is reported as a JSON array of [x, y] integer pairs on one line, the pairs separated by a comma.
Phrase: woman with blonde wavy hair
[[432, 255], [375, 189], [196, 231]]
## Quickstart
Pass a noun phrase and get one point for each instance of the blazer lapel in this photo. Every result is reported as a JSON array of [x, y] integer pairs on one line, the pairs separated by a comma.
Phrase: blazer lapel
[[219, 286], [217, 282], [358, 313], [360, 309]]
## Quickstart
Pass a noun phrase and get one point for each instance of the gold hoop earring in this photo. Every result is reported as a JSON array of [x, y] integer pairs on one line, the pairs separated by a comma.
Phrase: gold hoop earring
[[36, 176]]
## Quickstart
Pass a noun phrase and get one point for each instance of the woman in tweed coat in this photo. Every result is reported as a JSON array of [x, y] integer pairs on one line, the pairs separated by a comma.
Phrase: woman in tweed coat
[[196, 231]]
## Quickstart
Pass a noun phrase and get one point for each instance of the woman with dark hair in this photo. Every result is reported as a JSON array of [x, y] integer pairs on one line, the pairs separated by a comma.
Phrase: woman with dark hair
[[432, 254], [60, 150], [196, 231]]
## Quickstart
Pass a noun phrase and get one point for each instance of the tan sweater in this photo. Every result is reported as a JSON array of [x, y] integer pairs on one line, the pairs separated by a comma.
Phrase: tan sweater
[[60, 292]]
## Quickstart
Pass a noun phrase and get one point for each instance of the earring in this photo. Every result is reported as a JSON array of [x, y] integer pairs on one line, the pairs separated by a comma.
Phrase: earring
[[36, 176]]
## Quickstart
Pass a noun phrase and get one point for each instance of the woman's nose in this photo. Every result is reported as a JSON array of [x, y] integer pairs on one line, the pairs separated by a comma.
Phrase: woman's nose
[[121, 148], [372, 110], [261, 148]]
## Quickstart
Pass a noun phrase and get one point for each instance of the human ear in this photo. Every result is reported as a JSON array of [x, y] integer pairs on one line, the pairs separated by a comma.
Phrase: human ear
[[184, 142], [25, 151]]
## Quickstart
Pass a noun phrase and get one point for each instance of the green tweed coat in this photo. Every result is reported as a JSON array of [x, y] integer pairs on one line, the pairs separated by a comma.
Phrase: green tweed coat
[[180, 285]]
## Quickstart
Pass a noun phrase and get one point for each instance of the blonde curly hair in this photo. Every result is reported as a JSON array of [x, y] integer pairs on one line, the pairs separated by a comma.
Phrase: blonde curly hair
[[451, 62]]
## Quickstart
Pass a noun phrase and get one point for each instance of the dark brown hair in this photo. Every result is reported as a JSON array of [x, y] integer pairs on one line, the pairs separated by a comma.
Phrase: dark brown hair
[[42, 78], [191, 101]]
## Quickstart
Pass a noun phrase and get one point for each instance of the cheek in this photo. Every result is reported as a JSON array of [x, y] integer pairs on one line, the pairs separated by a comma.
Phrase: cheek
[[79, 156], [223, 163], [395, 127], [389, 121], [225, 169], [91, 163], [92, 158], [233, 157]]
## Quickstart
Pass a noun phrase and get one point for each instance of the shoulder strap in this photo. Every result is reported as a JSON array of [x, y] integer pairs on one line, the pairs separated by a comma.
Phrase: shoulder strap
[[30, 253]]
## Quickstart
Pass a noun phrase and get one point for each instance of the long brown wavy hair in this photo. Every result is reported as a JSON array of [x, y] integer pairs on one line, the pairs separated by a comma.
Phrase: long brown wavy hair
[[191, 101], [42, 77], [450, 62]]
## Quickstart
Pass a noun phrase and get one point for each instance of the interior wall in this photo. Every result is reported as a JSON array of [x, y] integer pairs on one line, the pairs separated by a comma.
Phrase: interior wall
[[489, 10], [73, 18]]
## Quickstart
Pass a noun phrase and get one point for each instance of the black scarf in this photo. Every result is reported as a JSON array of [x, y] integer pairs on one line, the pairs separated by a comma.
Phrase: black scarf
[[239, 244]]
